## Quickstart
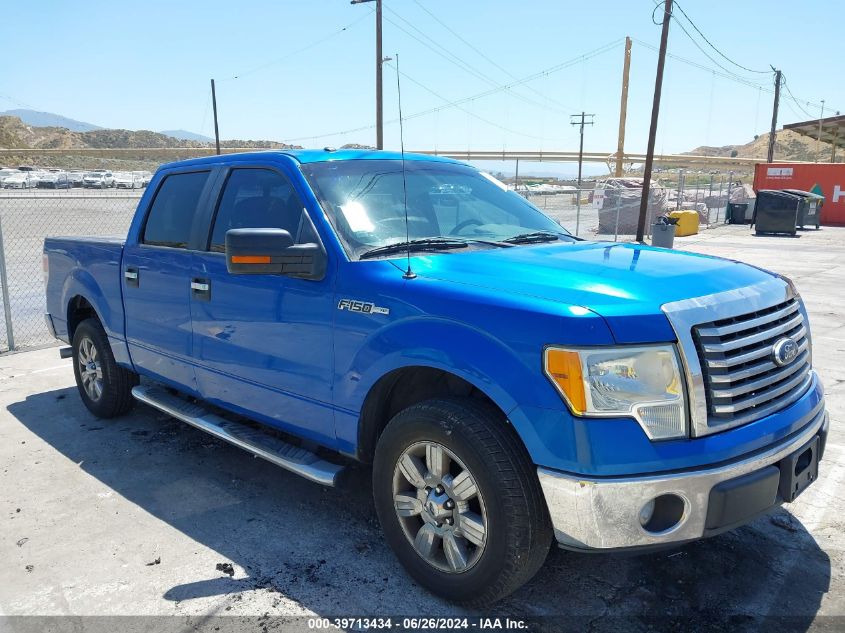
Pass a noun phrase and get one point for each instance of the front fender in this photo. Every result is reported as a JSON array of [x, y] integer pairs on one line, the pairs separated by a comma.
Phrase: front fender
[[508, 376]]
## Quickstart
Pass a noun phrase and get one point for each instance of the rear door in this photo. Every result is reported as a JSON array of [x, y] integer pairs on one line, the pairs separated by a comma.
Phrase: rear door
[[157, 280], [263, 343]]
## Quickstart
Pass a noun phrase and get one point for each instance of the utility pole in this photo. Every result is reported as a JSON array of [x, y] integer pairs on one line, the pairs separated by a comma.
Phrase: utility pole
[[214, 106], [379, 64], [819, 137], [771, 154], [580, 120], [580, 123], [623, 107], [655, 109]]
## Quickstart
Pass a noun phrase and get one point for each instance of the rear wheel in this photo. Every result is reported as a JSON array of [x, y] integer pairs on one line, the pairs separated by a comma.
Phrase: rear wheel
[[459, 501], [105, 387]]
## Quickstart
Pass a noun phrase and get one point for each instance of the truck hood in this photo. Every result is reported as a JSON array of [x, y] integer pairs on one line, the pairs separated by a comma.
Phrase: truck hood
[[625, 283]]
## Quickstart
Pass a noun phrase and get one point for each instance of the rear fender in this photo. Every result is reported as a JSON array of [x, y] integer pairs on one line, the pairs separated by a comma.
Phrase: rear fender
[[80, 283]]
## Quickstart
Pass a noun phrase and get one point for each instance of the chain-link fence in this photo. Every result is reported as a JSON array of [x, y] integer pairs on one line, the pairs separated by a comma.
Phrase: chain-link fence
[[608, 209], [26, 218], [604, 209]]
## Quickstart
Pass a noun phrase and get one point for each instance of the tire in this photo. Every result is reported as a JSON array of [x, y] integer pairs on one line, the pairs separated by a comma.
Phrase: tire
[[515, 532], [107, 392]]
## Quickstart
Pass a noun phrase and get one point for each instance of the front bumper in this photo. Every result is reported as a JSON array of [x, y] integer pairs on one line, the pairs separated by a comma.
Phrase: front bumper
[[603, 513]]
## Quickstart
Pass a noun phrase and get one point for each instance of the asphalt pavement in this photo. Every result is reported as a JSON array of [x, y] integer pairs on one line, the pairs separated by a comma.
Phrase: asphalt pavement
[[145, 515]]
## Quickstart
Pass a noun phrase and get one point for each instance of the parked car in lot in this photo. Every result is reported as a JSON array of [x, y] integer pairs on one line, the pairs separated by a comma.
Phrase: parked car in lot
[[76, 178], [21, 180], [54, 180], [5, 173], [128, 180], [99, 178], [512, 385]]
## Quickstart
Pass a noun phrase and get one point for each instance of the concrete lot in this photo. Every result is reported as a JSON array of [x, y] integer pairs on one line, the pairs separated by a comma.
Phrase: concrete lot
[[144, 514]]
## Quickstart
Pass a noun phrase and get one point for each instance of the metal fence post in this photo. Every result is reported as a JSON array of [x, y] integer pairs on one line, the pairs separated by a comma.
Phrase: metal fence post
[[681, 183], [618, 208], [578, 212], [728, 201], [709, 198], [7, 309]]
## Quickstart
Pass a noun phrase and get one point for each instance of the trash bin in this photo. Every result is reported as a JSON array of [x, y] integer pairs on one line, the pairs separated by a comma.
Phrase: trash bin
[[811, 209], [663, 235], [777, 212], [688, 222], [738, 213]]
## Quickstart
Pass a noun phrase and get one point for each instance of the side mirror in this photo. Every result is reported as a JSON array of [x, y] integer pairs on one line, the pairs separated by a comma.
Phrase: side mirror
[[272, 252]]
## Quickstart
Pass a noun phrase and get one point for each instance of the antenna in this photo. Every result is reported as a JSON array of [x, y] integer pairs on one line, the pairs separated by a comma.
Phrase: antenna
[[409, 274]]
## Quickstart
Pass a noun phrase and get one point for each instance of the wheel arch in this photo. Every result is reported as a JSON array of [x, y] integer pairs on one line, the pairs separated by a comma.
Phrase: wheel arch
[[403, 387], [79, 308]]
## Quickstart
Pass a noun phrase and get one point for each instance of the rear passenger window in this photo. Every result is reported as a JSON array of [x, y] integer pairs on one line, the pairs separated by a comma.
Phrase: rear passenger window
[[170, 218], [258, 199]]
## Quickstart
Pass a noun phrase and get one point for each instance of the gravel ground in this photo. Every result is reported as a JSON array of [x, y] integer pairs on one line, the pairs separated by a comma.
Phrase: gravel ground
[[147, 516]]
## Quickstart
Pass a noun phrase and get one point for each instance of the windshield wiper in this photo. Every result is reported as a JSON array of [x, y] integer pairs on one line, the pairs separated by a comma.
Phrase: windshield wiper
[[423, 244], [533, 237]]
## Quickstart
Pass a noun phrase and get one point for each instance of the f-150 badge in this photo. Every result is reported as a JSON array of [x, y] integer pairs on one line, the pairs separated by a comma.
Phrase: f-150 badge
[[365, 307]]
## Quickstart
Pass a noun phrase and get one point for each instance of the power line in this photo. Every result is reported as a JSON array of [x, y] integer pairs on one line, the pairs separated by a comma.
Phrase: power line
[[704, 37], [307, 47], [736, 78], [726, 75], [791, 96], [482, 54], [704, 52], [524, 80], [456, 60], [462, 109]]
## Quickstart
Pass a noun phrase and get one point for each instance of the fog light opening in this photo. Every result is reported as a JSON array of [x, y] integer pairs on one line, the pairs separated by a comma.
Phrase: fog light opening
[[662, 513]]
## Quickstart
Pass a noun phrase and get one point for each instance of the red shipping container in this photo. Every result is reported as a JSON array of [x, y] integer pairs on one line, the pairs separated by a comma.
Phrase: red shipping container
[[825, 179]]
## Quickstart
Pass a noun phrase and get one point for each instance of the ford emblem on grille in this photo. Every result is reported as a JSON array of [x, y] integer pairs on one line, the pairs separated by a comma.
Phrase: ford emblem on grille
[[784, 351]]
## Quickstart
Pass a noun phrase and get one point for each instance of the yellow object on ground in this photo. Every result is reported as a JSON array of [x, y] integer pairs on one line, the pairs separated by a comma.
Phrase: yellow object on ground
[[687, 222]]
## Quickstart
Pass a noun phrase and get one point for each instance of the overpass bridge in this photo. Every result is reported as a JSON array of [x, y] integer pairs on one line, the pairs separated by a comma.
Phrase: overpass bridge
[[609, 158]]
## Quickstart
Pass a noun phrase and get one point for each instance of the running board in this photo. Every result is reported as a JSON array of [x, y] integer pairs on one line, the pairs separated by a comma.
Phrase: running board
[[293, 458]]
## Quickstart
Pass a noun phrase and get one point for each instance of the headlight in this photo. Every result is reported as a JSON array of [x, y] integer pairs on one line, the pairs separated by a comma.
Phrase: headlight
[[644, 382]]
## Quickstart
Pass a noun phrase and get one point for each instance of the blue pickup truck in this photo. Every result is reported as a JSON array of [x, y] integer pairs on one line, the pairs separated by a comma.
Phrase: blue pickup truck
[[510, 384]]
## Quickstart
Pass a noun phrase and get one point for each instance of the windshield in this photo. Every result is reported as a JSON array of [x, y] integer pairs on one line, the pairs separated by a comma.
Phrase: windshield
[[365, 202]]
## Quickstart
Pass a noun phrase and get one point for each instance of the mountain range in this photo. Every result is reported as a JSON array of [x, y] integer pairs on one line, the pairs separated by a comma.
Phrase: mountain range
[[49, 119]]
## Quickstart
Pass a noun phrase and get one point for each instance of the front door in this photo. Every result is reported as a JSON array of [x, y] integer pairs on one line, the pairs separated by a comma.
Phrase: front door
[[156, 282], [262, 343]]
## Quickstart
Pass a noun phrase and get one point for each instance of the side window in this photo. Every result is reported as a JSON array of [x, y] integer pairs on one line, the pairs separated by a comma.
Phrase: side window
[[172, 213], [258, 199]]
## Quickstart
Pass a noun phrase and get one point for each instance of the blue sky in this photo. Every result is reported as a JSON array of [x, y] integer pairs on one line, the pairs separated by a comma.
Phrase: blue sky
[[147, 65]]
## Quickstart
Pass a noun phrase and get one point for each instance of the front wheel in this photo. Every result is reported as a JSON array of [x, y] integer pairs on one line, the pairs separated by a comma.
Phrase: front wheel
[[105, 387], [459, 501]]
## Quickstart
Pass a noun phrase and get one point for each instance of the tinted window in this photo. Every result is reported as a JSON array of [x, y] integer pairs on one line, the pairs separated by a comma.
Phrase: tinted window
[[170, 218], [257, 199]]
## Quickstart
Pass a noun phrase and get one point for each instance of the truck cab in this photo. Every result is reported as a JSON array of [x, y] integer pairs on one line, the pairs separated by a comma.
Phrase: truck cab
[[511, 385]]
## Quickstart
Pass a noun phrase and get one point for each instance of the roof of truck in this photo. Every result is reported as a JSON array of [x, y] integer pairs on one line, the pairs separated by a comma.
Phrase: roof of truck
[[313, 156]]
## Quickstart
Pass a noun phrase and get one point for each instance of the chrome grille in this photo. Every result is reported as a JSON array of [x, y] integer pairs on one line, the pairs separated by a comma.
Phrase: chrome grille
[[742, 381]]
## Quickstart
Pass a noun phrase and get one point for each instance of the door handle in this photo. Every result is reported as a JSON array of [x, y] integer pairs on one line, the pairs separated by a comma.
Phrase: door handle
[[201, 289], [131, 276]]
